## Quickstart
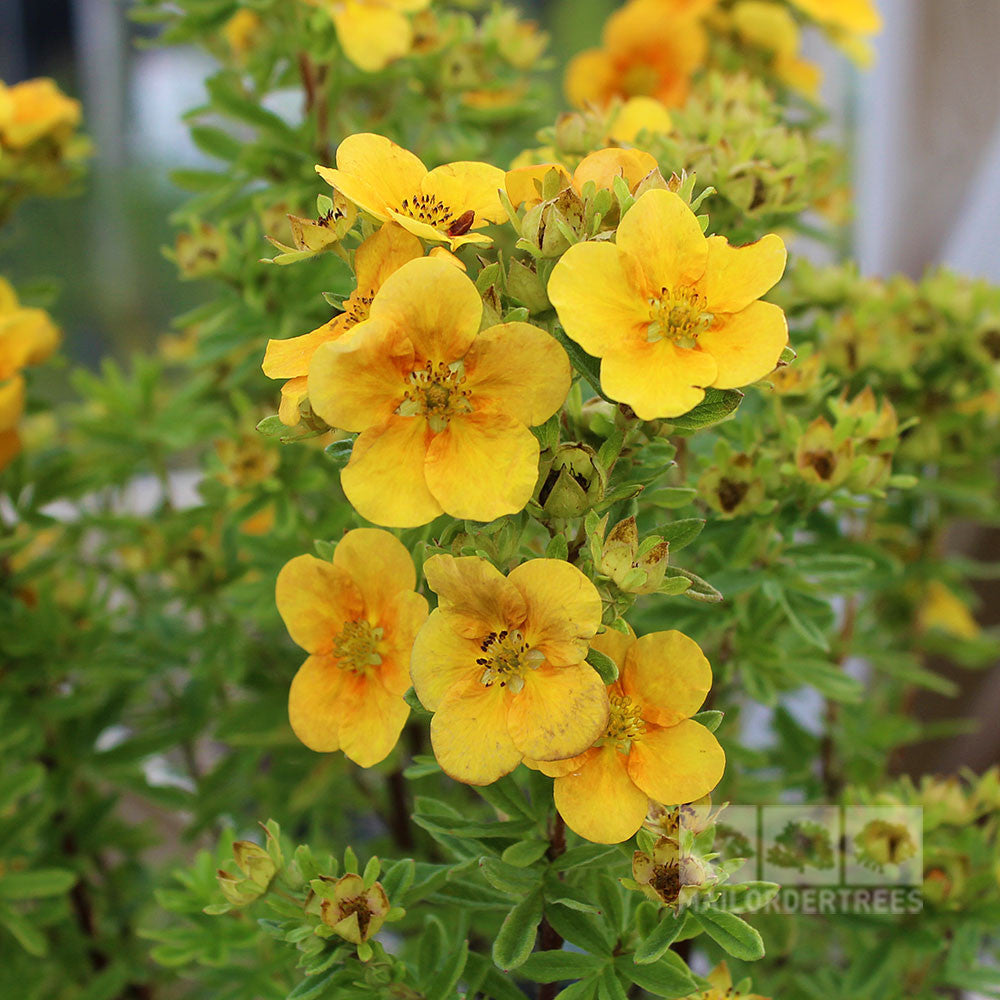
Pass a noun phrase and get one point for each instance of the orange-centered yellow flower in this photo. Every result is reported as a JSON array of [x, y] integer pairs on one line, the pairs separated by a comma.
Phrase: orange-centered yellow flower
[[373, 33], [501, 665], [650, 748], [356, 618], [668, 311], [35, 109], [443, 205], [649, 48], [383, 252], [443, 410]]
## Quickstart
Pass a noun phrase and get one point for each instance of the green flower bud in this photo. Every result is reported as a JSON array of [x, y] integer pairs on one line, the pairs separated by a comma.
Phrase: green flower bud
[[571, 482]]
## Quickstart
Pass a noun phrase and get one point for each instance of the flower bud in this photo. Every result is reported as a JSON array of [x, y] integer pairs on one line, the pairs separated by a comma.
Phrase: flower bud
[[631, 572], [733, 489], [883, 843], [820, 459], [540, 225], [254, 862], [571, 483], [354, 912], [200, 252]]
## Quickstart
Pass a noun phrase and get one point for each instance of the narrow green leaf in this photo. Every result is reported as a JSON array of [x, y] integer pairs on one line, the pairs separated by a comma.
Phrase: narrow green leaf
[[554, 966], [717, 405], [711, 719], [604, 665], [446, 978], [669, 977], [732, 933], [35, 884], [516, 936], [662, 936]]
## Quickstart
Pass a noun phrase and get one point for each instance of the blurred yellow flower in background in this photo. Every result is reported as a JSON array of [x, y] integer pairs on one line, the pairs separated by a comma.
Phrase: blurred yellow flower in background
[[944, 610], [500, 662], [769, 26], [668, 311], [373, 33], [443, 205], [34, 109], [356, 618], [850, 24], [443, 411]]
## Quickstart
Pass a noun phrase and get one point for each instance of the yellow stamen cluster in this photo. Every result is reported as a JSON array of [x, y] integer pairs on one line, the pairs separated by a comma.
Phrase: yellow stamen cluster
[[624, 722], [678, 314], [506, 656], [356, 646], [435, 392]]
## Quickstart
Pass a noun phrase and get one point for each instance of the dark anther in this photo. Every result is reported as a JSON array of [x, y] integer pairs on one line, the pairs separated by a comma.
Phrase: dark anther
[[462, 224]]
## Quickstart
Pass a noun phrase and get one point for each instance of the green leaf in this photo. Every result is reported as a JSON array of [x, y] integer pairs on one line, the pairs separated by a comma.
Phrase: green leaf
[[581, 929], [745, 897], [516, 936], [831, 680], [446, 978], [604, 665], [670, 496], [313, 986], [589, 367], [662, 936], [668, 977], [215, 142], [554, 966], [339, 452], [732, 933], [717, 405], [29, 937], [711, 719], [805, 626], [525, 852], [609, 986], [557, 548], [509, 878], [697, 589], [682, 532], [35, 884]]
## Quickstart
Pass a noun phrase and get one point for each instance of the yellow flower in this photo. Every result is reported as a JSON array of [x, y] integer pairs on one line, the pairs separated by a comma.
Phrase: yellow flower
[[373, 33], [384, 252], [668, 311], [357, 618], [942, 609], [356, 913], [638, 115], [443, 410], [649, 48], [443, 205], [11, 402], [37, 108], [651, 748], [722, 987], [27, 336], [501, 665], [242, 32], [769, 26], [850, 24]]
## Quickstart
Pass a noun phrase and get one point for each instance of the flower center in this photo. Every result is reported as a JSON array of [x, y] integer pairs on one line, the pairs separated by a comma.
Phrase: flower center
[[356, 647], [624, 722], [678, 314], [640, 79], [435, 392], [506, 657], [358, 905], [666, 881], [434, 212]]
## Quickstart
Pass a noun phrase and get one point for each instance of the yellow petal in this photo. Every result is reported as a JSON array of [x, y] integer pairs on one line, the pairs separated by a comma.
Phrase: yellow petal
[[467, 186], [661, 231], [441, 659], [314, 600], [27, 337], [520, 370], [638, 115], [524, 184], [667, 675], [384, 480], [590, 78], [604, 165], [11, 402], [402, 618], [359, 381], [316, 703], [678, 764], [469, 734], [594, 290], [292, 393], [746, 346], [385, 251], [736, 276], [482, 466], [600, 802], [434, 304], [378, 563], [474, 596], [371, 36], [369, 730], [290, 358], [613, 644], [10, 446], [560, 712], [559, 768], [563, 610], [658, 380]]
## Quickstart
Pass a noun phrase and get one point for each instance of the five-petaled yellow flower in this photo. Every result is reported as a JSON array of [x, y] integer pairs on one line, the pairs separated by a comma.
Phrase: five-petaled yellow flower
[[651, 748], [357, 618], [501, 665], [649, 48], [443, 410], [373, 33], [443, 205], [385, 251], [668, 311]]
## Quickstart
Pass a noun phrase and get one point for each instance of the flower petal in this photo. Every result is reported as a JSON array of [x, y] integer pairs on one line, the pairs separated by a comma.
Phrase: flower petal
[[563, 609], [595, 292], [518, 369], [661, 231], [482, 466], [357, 382], [290, 358], [668, 675], [658, 380], [467, 186], [384, 480], [474, 596], [678, 764], [385, 251], [604, 165], [442, 659], [402, 620], [12, 395], [379, 564], [316, 703], [524, 184], [559, 713], [590, 78], [371, 36], [746, 346], [469, 734], [389, 171], [292, 393], [558, 768], [600, 802], [737, 276], [434, 304], [314, 599], [613, 644], [370, 727]]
